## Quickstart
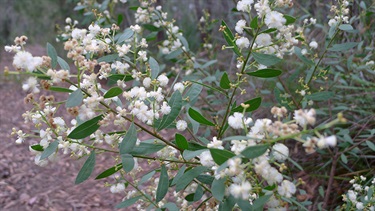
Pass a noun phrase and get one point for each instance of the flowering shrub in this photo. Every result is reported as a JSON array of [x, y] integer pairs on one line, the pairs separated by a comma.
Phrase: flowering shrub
[[143, 95], [361, 196]]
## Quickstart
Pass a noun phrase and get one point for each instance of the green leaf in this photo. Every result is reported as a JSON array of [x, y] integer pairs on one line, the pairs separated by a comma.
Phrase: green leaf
[[343, 46], [63, 64], [60, 89], [229, 37], [108, 58], [37, 147], [171, 206], [121, 77], [151, 36], [320, 96], [85, 129], [129, 140], [51, 51], [199, 117], [289, 19], [146, 148], [120, 18], [86, 169], [205, 179], [198, 193], [346, 27], [128, 202], [109, 171], [127, 34], [266, 59], [218, 189], [174, 54], [189, 154], [265, 73], [154, 66], [163, 185], [189, 176], [190, 197], [267, 31], [254, 23], [176, 104], [370, 145], [224, 81], [363, 5], [227, 204], [254, 105], [220, 156], [127, 162], [151, 27], [209, 63], [52, 147], [183, 41], [259, 203], [113, 92], [255, 151], [344, 159], [193, 93], [181, 141], [74, 99], [146, 177], [178, 175], [243, 204]]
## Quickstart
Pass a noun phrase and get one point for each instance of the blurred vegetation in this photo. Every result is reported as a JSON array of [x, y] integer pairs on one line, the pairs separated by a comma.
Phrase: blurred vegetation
[[35, 18]]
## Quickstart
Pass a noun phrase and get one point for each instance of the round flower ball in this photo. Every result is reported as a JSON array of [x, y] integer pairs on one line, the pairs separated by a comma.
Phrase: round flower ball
[[181, 125], [280, 152]]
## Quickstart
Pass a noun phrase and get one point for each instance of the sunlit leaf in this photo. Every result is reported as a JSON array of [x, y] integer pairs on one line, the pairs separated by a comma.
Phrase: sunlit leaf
[[113, 92], [199, 117], [60, 89], [85, 129], [253, 105], [109, 171], [229, 37], [220, 156], [265, 73], [181, 141], [224, 81]]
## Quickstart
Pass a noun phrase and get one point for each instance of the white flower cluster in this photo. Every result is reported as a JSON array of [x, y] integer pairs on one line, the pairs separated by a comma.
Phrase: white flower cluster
[[266, 42], [361, 196], [23, 60], [341, 13]]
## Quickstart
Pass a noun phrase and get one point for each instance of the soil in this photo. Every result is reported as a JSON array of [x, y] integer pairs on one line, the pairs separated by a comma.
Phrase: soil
[[26, 186]]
